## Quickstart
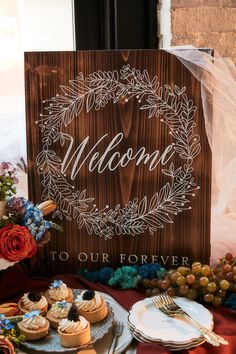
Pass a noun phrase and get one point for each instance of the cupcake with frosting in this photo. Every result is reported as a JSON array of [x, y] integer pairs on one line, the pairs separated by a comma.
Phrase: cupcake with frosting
[[58, 291], [74, 331], [33, 326], [33, 301], [91, 305], [58, 311]]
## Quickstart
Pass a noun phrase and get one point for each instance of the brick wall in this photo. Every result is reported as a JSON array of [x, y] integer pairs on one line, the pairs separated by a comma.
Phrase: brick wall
[[205, 23]]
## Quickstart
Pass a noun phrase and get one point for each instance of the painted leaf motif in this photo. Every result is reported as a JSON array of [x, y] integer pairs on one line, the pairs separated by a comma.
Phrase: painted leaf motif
[[90, 101], [195, 151], [142, 206], [95, 91], [68, 90], [164, 217]]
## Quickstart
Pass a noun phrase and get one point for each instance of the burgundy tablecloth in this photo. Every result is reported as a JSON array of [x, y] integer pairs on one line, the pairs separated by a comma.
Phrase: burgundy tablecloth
[[15, 281]]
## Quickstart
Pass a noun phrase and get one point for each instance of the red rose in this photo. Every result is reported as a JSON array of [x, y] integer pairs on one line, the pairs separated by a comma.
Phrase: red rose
[[16, 243], [6, 346]]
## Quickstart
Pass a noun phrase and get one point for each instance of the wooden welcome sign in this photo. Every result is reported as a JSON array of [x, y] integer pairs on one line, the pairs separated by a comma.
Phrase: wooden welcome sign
[[117, 140]]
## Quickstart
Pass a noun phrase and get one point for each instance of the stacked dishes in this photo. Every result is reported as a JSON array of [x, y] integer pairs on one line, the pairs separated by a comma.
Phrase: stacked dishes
[[148, 324]]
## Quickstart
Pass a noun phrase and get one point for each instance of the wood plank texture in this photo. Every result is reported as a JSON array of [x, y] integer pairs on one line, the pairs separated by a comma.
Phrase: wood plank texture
[[189, 234]]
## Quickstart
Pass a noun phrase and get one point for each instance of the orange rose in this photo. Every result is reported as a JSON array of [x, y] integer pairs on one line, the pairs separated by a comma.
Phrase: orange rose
[[5, 346], [16, 243]]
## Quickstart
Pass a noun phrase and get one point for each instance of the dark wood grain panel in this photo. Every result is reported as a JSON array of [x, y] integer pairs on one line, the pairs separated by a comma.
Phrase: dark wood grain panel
[[189, 235]]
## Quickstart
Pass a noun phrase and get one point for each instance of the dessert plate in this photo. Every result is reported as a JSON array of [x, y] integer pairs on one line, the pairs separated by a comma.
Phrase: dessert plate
[[169, 346], [153, 340], [147, 321], [120, 315], [101, 346], [51, 344]]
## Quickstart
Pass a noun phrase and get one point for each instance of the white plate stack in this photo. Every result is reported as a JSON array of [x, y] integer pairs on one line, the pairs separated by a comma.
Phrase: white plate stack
[[148, 324]]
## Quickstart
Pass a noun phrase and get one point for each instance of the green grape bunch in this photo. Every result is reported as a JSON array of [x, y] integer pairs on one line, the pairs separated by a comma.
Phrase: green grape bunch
[[198, 282]]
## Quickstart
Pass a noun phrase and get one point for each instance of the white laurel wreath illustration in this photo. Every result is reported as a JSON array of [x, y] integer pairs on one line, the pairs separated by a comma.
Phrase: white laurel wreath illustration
[[95, 91]]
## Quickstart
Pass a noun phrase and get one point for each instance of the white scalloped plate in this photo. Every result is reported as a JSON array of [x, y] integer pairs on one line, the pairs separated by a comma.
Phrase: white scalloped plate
[[149, 339], [168, 344], [145, 338], [146, 320], [173, 347]]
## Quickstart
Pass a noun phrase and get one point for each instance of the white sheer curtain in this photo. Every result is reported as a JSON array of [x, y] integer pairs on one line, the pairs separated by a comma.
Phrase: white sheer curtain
[[218, 89], [26, 25]]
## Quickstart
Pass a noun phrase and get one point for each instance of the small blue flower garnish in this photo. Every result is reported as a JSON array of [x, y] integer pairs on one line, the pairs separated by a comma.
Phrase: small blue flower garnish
[[32, 314], [56, 284], [62, 304]]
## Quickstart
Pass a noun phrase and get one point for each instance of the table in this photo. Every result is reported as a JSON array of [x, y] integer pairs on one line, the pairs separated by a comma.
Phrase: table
[[15, 281]]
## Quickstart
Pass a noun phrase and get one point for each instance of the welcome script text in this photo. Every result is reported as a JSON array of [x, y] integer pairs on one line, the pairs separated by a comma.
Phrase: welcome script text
[[110, 159]]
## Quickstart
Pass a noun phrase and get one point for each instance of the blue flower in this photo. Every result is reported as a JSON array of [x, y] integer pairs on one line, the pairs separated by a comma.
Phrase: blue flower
[[8, 324], [4, 323], [56, 284], [2, 319], [33, 219], [62, 304], [31, 314]]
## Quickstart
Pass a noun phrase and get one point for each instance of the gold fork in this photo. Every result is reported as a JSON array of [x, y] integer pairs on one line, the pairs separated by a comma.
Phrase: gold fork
[[167, 305]]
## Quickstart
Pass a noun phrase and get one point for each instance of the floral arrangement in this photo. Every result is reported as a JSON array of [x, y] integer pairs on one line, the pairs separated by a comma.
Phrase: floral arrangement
[[23, 226], [9, 335], [8, 180]]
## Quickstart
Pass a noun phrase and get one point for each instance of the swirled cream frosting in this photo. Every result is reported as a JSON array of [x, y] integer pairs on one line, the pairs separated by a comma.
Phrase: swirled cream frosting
[[58, 293], [31, 305], [69, 327], [88, 305], [60, 309], [34, 323]]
